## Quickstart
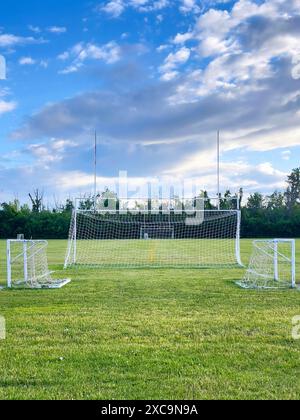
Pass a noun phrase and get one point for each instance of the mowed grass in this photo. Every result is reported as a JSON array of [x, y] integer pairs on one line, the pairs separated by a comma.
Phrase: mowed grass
[[148, 334], [157, 253]]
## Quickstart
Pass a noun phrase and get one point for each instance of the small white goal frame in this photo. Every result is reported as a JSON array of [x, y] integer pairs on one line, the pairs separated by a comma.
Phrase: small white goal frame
[[273, 261], [27, 282]]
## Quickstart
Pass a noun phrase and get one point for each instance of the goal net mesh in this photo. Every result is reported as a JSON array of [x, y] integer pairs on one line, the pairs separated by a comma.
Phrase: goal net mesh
[[28, 265], [133, 240], [272, 265]]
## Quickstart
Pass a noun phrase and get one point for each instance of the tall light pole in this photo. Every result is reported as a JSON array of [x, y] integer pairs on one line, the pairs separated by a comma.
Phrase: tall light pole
[[218, 167], [95, 167]]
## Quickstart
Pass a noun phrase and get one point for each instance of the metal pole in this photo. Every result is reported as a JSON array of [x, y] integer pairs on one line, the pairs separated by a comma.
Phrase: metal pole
[[218, 169], [238, 240], [95, 168], [293, 263], [25, 262], [75, 237], [276, 271], [8, 264]]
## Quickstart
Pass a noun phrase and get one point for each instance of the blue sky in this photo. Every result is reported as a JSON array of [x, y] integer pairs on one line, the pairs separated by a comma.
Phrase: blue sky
[[157, 79]]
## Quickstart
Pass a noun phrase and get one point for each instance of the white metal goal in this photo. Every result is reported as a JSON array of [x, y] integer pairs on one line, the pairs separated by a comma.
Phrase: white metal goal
[[134, 239], [27, 266], [272, 265]]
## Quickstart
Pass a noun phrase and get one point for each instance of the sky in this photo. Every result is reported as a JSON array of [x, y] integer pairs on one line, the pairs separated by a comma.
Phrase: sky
[[156, 79]]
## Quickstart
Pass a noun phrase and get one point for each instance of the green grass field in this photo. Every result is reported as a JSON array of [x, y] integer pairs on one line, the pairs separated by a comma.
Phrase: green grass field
[[148, 334]]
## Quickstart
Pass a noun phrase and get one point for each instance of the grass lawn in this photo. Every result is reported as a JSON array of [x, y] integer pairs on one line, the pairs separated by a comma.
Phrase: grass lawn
[[148, 334]]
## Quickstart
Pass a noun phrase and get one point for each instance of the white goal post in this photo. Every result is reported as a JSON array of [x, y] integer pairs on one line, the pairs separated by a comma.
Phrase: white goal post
[[272, 265], [27, 265], [137, 239]]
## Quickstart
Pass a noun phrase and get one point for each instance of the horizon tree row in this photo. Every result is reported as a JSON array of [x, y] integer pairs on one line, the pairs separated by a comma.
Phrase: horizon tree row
[[275, 215]]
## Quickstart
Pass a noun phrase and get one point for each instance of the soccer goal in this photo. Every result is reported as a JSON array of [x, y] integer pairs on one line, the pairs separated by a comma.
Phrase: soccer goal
[[137, 239], [27, 266], [272, 265]]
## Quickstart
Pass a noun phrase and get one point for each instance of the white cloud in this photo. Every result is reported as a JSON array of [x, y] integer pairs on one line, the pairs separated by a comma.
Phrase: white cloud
[[162, 48], [64, 56], [35, 29], [213, 28], [215, 22], [7, 106], [212, 46], [234, 174], [114, 8], [276, 138], [2, 68], [267, 169], [235, 67], [4, 92], [73, 68], [169, 75], [183, 38], [150, 6], [189, 6], [109, 53], [47, 153], [138, 3], [244, 9], [9, 40], [57, 30], [286, 154], [180, 57], [296, 72], [44, 64], [26, 61], [174, 60]]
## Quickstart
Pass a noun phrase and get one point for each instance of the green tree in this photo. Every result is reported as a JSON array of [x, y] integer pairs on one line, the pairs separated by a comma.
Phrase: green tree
[[69, 206], [87, 203], [276, 201], [241, 196], [37, 201], [226, 203], [207, 202], [256, 201], [293, 191]]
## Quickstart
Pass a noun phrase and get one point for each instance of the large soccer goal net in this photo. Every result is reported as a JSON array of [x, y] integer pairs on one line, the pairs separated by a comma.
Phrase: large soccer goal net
[[272, 265], [27, 266], [133, 239]]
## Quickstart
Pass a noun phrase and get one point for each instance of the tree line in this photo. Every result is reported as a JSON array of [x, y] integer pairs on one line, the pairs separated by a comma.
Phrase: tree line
[[275, 215]]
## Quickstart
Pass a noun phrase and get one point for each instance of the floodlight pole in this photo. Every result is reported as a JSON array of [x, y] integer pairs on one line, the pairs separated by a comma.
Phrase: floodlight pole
[[218, 167], [95, 167]]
